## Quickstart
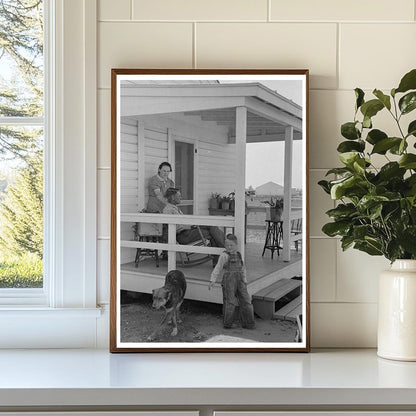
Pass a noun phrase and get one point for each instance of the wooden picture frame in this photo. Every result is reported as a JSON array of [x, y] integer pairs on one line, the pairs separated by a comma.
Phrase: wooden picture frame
[[239, 133]]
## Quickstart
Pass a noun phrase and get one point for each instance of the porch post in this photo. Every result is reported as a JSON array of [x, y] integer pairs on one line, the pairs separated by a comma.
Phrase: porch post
[[287, 202], [140, 166], [171, 240], [240, 207]]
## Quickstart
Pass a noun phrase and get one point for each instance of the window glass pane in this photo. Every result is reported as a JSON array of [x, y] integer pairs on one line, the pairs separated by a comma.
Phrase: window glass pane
[[21, 207], [21, 146], [21, 58]]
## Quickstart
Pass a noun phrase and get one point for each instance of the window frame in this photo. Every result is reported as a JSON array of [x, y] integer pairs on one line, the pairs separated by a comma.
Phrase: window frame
[[65, 313]]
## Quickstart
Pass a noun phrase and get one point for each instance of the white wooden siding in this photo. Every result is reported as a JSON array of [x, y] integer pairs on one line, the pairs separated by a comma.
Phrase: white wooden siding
[[128, 181], [216, 173], [215, 168], [129, 165], [155, 152]]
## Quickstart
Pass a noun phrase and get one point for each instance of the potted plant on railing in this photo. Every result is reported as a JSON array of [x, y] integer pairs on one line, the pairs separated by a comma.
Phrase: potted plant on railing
[[225, 203], [376, 210], [214, 201], [231, 197], [274, 209]]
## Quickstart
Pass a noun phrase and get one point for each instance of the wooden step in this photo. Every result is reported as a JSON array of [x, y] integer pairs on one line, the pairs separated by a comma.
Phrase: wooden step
[[290, 311], [273, 298]]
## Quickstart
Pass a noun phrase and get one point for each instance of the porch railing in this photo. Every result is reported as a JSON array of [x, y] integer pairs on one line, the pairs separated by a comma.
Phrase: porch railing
[[172, 220]]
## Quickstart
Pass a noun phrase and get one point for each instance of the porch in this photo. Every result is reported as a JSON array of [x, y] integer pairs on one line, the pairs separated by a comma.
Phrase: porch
[[203, 131], [262, 271]]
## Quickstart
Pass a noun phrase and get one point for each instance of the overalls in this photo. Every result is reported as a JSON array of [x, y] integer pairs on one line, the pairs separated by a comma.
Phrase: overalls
[[234, 291]]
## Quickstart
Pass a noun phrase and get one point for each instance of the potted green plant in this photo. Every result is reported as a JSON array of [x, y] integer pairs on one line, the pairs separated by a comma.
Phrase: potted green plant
[[376, 206], [274, 209]]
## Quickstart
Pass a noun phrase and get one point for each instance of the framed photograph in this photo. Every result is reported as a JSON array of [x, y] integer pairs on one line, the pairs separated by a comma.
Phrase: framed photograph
[[209, 211]]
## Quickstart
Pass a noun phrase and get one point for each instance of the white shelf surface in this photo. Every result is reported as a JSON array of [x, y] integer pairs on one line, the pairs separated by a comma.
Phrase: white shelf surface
[[98, 378]]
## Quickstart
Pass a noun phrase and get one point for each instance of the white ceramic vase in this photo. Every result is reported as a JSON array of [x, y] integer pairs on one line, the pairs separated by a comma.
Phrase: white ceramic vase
[[397, 312]]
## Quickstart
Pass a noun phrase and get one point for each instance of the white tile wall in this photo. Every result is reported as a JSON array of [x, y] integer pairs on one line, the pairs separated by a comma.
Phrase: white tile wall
[[323, 266], [270, 45], [357, 10], [200, 10], [345, 44]]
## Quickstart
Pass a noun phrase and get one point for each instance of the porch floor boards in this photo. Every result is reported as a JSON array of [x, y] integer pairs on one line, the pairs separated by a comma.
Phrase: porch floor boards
[[256, 265]]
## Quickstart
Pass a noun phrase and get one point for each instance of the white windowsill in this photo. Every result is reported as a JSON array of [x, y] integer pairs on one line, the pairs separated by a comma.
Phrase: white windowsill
[[323, 378]]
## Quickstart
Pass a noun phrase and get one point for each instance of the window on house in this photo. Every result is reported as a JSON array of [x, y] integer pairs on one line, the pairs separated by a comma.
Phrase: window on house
[[22, 127]]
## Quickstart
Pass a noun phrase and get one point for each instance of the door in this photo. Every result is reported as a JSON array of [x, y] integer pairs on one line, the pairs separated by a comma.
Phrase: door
[[184, 174]]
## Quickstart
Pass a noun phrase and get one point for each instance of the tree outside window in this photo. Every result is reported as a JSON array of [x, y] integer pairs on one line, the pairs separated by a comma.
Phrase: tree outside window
[[21, 143]]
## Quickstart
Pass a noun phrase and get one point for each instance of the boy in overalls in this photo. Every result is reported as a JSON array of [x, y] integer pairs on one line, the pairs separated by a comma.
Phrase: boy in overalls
[[234, 285]]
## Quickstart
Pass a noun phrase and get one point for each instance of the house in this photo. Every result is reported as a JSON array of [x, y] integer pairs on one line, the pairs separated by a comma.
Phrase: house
[[202, 130], [270, 188]]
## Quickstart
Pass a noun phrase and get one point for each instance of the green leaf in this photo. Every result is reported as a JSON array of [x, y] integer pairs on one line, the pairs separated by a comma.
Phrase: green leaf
[[375, 211], [369, 201], [385, 99], [375, 135], [346, 242], [383, 145], [349, 131], [408, 161], [361, 231], [407, 240], [359, 94], [325, 186], [411, 130], [368, 248], [342, 211], [338, 171], [398, 149], [408, 82], [393, 250], [348, 158], [408, 102], [371, 108], [345, 186], [391, 170], [367, 122], [333, 229], [349, 146]]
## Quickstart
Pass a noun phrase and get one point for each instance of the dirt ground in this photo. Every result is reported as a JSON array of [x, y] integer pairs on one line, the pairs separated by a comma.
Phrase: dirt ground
[[201, 322]]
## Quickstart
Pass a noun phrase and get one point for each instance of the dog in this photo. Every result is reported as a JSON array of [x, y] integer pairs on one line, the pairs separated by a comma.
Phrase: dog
[[169, 297]]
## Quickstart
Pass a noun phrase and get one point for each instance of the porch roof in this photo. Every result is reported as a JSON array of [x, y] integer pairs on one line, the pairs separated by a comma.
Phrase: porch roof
[[268, 113]]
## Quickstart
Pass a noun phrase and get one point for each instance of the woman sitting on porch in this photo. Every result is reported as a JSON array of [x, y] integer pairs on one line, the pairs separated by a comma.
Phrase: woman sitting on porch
[[186, 234], [158, 184]]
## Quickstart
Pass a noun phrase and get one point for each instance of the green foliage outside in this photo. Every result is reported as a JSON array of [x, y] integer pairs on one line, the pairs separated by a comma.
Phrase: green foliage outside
[[376, 210], [21, 271], [21, 148]]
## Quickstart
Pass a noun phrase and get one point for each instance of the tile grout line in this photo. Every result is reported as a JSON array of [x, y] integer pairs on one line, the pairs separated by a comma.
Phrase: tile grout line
[[194, 62], [338, 64], [229, 21]]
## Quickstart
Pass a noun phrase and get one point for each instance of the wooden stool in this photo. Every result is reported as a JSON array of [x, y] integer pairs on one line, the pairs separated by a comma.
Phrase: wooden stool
[[274, 235]]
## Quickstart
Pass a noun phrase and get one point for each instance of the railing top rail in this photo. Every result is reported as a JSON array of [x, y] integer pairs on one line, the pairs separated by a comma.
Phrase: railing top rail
[[212, 220]]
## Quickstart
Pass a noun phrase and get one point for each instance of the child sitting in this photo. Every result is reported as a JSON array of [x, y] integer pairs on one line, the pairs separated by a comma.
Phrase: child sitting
[[234, 285]]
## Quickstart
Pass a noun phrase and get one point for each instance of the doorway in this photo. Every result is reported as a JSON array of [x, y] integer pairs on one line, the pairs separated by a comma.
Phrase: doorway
[[184, 174]]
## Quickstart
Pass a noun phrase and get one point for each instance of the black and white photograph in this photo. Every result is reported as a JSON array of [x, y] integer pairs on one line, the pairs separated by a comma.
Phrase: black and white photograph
[[209, 213]]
